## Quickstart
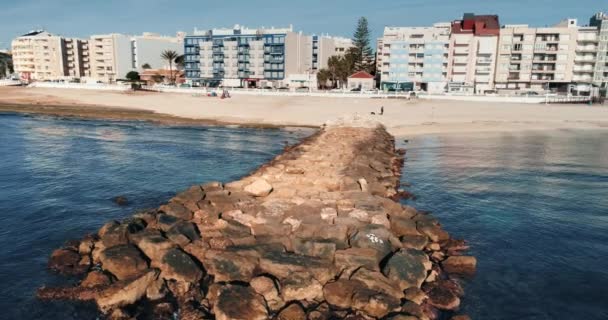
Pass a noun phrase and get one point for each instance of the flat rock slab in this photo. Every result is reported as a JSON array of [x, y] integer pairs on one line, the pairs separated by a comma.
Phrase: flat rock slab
[[123, 261], [177, 265], [239, 303]]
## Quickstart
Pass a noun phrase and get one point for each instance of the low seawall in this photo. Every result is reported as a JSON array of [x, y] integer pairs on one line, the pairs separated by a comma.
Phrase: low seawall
[[316, 233]]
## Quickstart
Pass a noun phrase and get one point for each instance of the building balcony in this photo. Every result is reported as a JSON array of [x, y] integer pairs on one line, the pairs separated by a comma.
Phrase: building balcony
[[484, 61], [584, 58], [483, 70], [586, 49], [461, 50]]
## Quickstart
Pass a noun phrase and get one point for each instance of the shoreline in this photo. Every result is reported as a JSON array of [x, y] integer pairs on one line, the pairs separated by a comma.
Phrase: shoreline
[[102, 113], [401, 118]]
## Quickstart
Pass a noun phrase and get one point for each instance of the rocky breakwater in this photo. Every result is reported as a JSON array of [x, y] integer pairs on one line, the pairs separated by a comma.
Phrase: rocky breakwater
[[314, 234]]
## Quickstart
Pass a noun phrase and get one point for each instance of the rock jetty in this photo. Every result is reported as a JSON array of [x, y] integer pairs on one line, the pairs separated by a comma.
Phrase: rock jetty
[[316, 233]]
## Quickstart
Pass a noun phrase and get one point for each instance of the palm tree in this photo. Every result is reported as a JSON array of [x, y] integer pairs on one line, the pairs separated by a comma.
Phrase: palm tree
[[170, 56]]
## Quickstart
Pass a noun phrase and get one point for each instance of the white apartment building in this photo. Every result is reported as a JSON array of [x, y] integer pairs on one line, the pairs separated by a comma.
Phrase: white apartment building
[[536, 58], [111, 56], [600, 22], [40, 55], [76, 58], [584, 60], [114, 55], [472, 59], [414, 58]]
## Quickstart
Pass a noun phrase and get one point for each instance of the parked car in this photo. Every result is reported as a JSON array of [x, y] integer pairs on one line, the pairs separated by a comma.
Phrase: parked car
[[528, 93], [355, 90]]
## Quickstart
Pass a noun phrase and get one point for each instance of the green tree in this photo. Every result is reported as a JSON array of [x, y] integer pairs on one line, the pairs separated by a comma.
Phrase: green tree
[[323, 77], [146, 66], [170, 56], [179, 62], [132, 76], [364, 54], [6, 65]]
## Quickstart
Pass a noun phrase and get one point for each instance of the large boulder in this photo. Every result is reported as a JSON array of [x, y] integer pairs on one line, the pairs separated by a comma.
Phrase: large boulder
[[339, 294], [322, 249], [464, 265], [322, 232], [266, 287], [239, 303], [432, 230], [352, 259], [154, 246], [190, 198], [376, 281], [228, 266], [123, 261], [301, 286], [124, 293], [164, 222], [417, 242], [177, 210], [282, 265], [95, 279], [406, 268], [375, 304], [292, 312], [259, 188], [66, 261], [182, 233], [113, 234], [404, 227], [374, 237], [177, 265], [443, 297]]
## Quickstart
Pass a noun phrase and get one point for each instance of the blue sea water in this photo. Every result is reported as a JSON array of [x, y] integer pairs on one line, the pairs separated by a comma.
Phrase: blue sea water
[[534, 209], [58, 178]]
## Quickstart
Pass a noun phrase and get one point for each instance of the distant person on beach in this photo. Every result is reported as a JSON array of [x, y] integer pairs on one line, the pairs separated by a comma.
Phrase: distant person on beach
[[381, 111]]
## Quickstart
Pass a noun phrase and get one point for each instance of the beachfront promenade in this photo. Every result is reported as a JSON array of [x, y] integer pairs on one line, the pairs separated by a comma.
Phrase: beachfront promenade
[[496, 98], [316, 232]]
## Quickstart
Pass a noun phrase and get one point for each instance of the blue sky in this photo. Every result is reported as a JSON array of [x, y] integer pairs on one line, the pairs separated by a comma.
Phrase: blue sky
[[79, 18]]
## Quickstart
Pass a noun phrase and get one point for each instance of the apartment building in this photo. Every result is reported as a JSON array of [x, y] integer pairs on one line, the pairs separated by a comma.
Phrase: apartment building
[[414, 58], [600, 75], [111, 56], [40, 55], [263, 57], [325, 46], [76, 58], [472, 58], [536, 58], [585, 59], [114, 55]]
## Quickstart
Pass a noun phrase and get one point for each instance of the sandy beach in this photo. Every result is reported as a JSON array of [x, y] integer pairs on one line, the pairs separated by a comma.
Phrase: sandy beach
[[401, 117]]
